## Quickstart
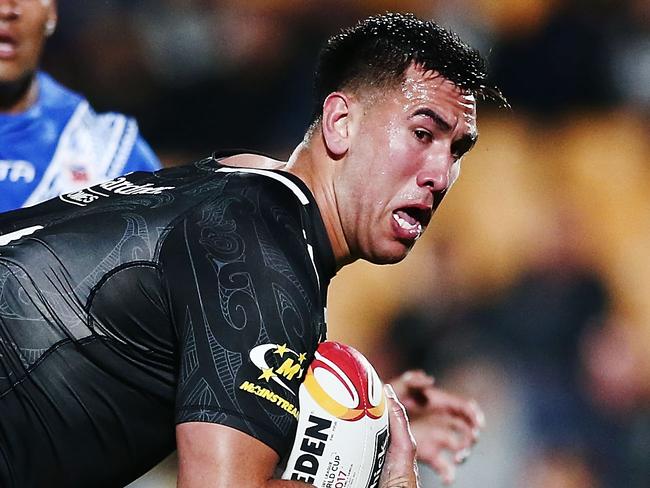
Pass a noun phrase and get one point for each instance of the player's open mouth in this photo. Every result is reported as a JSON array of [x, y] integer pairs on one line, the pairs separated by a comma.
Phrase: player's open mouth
[[7, 46], [411, 221]]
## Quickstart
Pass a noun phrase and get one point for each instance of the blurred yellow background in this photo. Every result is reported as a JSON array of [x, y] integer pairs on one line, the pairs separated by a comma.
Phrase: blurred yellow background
[[519, 178]]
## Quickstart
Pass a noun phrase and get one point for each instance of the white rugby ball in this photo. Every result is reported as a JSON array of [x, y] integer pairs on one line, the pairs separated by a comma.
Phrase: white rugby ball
[[342, 433]]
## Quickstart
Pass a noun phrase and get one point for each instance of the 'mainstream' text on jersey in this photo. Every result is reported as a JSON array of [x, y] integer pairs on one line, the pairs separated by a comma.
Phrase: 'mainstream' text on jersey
[[190, 294]]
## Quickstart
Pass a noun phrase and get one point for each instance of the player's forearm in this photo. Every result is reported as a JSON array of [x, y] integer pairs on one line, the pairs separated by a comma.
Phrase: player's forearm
[[269, 484], [287, 484], [216, 456]]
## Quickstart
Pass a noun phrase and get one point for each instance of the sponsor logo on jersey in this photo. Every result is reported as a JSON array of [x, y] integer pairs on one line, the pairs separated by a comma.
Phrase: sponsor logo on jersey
[[311, 449], [120, 186], [267, 394], [83, 197], [288, 363], [381, 446], [16, 171]]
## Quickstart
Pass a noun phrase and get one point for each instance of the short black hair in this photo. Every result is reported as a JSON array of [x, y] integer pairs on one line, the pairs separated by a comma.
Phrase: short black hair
[[378, 50]]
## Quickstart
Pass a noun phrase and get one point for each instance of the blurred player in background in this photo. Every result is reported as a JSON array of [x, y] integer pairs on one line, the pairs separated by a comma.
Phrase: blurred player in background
[[51, 140], [191, 297]]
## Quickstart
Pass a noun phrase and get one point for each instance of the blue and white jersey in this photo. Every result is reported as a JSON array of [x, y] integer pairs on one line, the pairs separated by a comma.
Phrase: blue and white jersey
[[60, 145]]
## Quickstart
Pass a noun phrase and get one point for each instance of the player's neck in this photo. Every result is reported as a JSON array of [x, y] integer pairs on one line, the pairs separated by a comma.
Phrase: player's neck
[[17, 96], [310, 163]]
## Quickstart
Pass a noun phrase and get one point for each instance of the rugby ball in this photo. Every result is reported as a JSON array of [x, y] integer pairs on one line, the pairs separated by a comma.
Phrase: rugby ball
[[342, 434]]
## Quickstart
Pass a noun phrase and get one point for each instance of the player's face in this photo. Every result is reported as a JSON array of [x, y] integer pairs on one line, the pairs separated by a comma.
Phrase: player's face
[[404, 156], [23, 27]]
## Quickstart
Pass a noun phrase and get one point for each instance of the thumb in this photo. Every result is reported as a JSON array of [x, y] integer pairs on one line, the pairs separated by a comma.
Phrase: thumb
[[400, 430], [400, 468]]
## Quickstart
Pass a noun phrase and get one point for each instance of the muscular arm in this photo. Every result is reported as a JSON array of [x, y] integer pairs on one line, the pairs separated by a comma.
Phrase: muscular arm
[[246, 303], [218, 456]]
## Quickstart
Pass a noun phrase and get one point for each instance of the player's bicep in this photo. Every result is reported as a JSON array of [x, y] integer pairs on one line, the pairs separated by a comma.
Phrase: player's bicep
[[218, 456]]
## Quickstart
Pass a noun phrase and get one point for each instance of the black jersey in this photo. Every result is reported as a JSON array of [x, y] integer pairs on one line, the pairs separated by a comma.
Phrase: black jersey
[[194, 293]]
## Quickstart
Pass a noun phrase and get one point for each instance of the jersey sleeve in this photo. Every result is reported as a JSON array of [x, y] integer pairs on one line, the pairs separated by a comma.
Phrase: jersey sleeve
[[245, 304]]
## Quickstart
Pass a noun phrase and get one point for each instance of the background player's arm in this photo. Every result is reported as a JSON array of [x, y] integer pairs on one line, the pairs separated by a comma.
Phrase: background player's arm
[[445, 426], [218, 456]]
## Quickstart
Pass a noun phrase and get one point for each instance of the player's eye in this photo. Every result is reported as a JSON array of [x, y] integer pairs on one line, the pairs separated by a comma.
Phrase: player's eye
[[423, 135]]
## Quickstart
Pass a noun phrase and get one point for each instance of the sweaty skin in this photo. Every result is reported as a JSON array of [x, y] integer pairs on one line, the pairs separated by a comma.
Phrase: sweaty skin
[[199, 441], [399, 162], [384, 163]]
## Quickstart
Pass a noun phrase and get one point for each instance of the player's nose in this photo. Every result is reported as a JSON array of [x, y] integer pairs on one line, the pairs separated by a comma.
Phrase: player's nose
[[9, 9], [435, 175]]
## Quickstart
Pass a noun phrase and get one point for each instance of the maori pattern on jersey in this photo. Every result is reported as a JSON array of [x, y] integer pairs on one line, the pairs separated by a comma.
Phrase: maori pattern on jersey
[[54, 311], [256, 288], [133, 245], [189, 357], [191, 296]]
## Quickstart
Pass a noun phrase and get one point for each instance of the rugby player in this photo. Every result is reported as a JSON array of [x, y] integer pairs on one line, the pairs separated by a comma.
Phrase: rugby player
[[51, 140], [181, 307]]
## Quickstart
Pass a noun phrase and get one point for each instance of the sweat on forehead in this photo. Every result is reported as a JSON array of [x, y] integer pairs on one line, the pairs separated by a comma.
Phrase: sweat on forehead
[[416, 78], [415, 85]]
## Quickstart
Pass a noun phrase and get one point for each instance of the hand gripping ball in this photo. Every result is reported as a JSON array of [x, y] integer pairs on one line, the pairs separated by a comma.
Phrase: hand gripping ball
[[342, 433]]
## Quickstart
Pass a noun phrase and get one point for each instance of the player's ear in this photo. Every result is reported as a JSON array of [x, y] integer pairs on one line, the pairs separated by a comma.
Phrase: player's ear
[[52, 17], [335, 124]]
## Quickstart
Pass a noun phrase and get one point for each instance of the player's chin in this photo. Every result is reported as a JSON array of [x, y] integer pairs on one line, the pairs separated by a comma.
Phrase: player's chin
[[392, 252], [13, 73]]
